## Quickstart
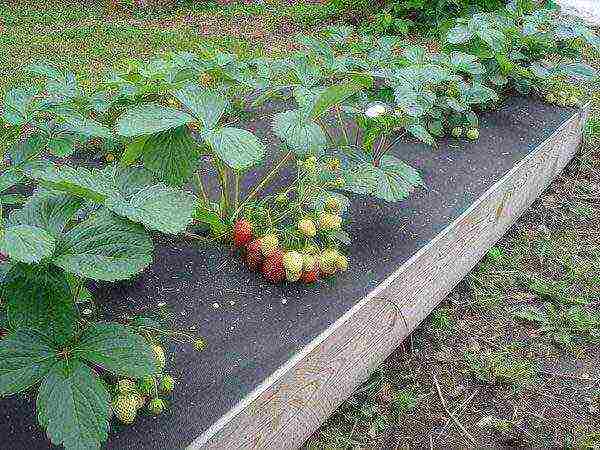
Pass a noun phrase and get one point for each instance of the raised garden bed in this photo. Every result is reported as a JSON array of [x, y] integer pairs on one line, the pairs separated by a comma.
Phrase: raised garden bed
[[282, 357]]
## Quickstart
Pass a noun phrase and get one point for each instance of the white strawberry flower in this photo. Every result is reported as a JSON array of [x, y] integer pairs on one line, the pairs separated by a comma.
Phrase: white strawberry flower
[[375, 109]]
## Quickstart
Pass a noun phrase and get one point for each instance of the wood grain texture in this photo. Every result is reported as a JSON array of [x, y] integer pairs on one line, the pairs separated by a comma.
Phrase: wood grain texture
[[292, 403]]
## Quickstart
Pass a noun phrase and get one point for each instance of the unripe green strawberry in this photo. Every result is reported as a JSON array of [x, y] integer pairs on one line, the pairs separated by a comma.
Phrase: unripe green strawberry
[[199, 344], [268, 244], [140, 400], [156, 406], [334, 164], [311, 164], [292, 261], [167, 384], [550, 98], [573, 100], [147, 385], [292, 276], [328, 262], [309, 262], [332, 204], [473, 134], [307, 227], [341, 262], [159, 353], [311, 249], [126, 386], [329, 221], [282, 198], [457, 132], [125, 408]]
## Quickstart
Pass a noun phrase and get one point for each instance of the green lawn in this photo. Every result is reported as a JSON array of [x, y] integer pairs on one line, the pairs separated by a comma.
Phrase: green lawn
[[88, 39]]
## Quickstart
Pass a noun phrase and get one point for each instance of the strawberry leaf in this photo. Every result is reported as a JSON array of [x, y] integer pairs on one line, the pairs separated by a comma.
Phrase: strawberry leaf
[[238, 148], [151, 119], [18, 105], [27, 244], [301, 134], [171, 155], [332, 96], [104, 247], [118, 349], [208, 106], [73, 405], [127, 191], [26, 356], [40, 298]]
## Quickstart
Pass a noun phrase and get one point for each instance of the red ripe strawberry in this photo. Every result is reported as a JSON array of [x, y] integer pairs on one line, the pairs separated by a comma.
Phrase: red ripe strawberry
[[310, 276], [242, 232], [273, 268], [254, 260], [253, 246]]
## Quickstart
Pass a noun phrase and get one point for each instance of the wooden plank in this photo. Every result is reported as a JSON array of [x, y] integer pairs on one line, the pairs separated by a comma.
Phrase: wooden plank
[[291, 404]]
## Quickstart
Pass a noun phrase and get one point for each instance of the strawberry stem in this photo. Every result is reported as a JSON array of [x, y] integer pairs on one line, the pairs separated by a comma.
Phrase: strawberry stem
[[264, 182]]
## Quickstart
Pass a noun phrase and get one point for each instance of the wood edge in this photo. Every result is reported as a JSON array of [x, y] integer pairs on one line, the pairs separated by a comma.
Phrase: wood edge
[[212, 433]]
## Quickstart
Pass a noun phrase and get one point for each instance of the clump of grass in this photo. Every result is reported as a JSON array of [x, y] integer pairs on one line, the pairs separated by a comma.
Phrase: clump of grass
[[441, 319], [562, 325], [500, 367]]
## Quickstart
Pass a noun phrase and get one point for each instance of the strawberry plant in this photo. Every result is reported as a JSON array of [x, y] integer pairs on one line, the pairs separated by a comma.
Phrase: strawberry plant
[[179, 160], [527, 48]]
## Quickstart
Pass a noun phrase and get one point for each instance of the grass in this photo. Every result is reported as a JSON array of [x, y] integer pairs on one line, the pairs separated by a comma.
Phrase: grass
[[88, 39]]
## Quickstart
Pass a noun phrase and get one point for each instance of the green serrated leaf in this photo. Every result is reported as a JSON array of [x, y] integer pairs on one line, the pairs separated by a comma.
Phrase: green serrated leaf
[[125, 191], [18, 104], [478, 93], [26, 244], [49, 211], [577, 71], [85, 126], [73, 406], [26, 356], [40, 298], [104, 247], [332, 96], [11, 177], [61, 146], [133, 151], [150, 119], [238, 148], [466, 63], [211, 218], [459, 34], [117, 348], [172, 155], [159, 207], [301, 134], [23, 151], [208, 106], [397, 179], [421, 133]]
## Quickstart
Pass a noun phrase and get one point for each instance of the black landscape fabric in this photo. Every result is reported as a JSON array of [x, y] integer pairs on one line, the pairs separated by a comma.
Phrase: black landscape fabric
[[253, 327]]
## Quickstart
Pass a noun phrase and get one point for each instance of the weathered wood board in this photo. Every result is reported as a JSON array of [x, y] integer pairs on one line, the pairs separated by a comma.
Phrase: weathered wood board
[[281, 358]]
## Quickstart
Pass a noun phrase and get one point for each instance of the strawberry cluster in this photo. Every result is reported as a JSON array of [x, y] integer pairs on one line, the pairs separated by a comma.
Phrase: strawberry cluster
[[306, 264]]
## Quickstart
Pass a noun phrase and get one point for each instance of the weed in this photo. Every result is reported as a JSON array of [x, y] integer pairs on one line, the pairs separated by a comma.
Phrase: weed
[[500, 367]]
